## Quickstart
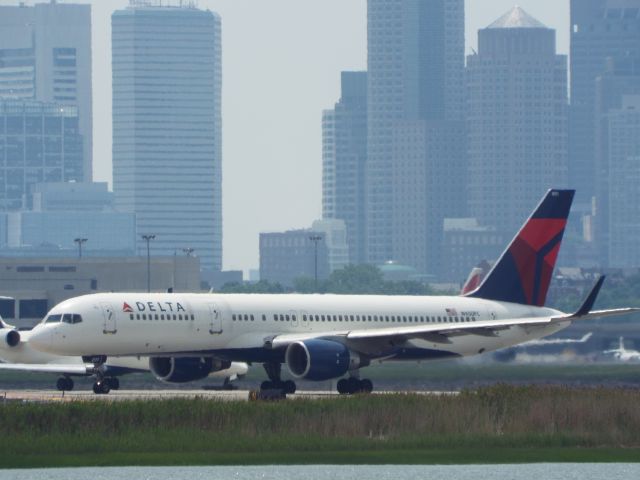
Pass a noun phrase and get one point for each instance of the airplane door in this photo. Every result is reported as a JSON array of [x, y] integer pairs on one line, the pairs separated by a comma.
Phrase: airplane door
[[215, 319], [109, 316]]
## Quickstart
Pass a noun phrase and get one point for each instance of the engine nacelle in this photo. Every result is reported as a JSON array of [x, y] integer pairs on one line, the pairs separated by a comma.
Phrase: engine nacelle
[[320, 359], [181, 370], [10, 337]]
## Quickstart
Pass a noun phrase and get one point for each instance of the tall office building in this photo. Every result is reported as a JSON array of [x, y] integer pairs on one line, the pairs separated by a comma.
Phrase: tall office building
[[39, 142], [344, 155], [45, 55], [600, 29], [167, 126], [415, 130], [620, 80], [623, 154], [517, 120]]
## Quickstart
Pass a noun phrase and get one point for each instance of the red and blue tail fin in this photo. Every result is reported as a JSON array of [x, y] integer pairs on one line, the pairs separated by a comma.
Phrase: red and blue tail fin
[[523, 272]]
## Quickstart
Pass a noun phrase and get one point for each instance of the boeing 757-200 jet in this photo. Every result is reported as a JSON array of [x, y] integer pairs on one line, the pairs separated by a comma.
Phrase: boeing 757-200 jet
[[322, 337]]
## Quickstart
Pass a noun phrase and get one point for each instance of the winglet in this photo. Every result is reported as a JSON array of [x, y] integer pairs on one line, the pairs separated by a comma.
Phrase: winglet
[[587, 305]]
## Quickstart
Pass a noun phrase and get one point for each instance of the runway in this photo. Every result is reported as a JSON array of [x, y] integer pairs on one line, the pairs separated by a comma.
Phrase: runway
[[51, 396]]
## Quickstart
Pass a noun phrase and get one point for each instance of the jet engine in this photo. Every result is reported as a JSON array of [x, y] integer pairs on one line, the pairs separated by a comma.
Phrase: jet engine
[[187, 369], [320, 359], [10, 337]]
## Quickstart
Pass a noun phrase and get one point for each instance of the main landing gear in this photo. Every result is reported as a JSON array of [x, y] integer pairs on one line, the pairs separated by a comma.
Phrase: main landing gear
[[351, 385], [105, 385], [275, 381], [64, 384]]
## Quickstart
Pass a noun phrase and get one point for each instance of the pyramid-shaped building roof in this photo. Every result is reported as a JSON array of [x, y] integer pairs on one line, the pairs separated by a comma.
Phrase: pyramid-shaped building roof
[[517, 18]]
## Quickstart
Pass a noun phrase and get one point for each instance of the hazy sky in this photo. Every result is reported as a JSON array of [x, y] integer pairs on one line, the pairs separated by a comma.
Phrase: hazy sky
[[281, 67]]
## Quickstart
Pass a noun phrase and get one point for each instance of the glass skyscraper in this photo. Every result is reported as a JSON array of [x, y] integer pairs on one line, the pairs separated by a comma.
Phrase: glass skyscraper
[[415, 151], [39, 142], [167, 127]]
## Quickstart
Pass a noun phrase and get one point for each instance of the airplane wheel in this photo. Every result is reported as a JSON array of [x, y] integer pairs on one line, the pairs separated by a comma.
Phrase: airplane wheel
[[266, 385], [101, 388], [289, 386], [343, 386], [353, 385], [114, 383], [366, 386], [61, 384]]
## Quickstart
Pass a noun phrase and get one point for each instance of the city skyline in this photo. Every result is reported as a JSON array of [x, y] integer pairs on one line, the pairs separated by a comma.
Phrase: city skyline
[[274, 90]]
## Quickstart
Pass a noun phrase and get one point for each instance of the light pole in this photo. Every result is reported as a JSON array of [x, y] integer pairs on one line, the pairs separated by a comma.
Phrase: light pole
[[315, 239], [148, 238], [80, 241]]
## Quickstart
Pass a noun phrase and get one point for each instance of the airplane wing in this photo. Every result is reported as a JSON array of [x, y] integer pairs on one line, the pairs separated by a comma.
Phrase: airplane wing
[[438, 332], [441, 332], [62, 369]]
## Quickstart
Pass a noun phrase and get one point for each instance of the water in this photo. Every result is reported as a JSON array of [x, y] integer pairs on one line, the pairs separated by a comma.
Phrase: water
[[546, 471]]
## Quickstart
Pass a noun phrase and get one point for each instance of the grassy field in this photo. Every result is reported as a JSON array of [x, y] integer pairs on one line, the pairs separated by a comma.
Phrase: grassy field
[[500, 424]]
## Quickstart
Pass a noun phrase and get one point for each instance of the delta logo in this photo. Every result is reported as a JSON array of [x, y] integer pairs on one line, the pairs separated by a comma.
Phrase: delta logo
[[153, 307]]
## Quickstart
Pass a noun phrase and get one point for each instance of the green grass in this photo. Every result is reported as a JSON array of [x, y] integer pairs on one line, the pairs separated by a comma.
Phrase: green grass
[[499, 424]]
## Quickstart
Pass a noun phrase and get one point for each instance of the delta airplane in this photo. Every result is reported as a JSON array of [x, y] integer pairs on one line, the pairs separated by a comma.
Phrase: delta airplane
[[323, 337], [18, 354]]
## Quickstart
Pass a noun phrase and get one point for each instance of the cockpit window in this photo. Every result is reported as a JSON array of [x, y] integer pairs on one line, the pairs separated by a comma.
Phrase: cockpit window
[[71, 318], [53, 318]]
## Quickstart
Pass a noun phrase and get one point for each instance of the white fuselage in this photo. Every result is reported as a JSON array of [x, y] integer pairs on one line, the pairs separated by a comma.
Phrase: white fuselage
[[24, 353], [238, 326]]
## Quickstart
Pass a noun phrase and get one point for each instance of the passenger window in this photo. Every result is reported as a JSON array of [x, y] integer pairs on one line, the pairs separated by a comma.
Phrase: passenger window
[[304, 318], [275, 317], [251, 317], [161, 316], [293, 317], [317, 318], [157, 317], [233, 317], [131, 316], [264, 317], [281, 318], [144, 316], [137, 316], [286, 317], [246, 317], [193, 317]]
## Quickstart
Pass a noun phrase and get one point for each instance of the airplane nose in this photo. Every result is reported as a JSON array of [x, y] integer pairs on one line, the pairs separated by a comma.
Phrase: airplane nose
[[42, 339]]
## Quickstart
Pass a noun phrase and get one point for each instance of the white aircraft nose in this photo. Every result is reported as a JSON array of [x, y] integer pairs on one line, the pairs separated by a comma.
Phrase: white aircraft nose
[[42, 339]]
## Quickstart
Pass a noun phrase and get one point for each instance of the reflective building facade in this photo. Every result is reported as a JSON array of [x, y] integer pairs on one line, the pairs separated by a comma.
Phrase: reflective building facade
[[39, 142], [415, 128], [167, 135], [600, 30], [45, 55], [517, 118], [344, 155]]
